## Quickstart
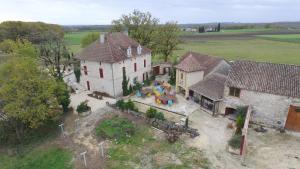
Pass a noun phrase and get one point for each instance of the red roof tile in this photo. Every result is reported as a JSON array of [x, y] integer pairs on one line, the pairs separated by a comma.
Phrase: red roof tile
[[114, 49]]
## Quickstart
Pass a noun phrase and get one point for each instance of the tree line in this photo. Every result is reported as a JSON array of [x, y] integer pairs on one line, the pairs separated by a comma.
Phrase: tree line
[[35, 32], [33, 95]]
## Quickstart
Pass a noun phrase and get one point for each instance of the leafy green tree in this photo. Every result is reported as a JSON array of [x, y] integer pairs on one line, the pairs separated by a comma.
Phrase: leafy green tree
[[27, 94], [20, 47], [139, 25], [166, 39], [89, 38], [219, 27], [55, 57], [62, 94], [201, 29], [35, 32]]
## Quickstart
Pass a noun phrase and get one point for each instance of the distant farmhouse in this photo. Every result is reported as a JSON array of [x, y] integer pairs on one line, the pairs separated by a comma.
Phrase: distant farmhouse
[[104, 62], [272, 90]]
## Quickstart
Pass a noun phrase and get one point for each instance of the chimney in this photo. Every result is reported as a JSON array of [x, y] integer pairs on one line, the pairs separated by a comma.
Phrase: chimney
[[125, 32], [102, 38], [139, 50]]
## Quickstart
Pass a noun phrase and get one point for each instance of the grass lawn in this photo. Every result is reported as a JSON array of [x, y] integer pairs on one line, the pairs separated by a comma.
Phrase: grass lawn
[[250, 49], [39, 158], [283, 37], [144, 150]]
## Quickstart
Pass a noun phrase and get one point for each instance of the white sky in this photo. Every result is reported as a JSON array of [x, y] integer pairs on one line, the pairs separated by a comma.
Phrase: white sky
[[74, 12]]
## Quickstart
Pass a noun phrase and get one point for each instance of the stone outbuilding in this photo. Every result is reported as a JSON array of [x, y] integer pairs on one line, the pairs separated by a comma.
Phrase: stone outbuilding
[[273, 90], [194, 67]]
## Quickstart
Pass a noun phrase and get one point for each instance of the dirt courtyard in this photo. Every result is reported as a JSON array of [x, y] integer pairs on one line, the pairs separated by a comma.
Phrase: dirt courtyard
[[270, 150]]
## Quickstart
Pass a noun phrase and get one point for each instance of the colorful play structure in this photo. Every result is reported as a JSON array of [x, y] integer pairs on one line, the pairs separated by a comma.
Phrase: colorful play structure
[[162, 92]]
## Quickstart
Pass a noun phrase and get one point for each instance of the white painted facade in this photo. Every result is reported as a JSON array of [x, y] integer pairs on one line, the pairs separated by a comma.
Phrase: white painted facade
[[111, 83], [268, 109]]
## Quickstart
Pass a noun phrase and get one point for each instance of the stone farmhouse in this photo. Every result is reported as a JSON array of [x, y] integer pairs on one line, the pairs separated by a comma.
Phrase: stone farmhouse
[[104, 61], [272, 90], [201, 78]]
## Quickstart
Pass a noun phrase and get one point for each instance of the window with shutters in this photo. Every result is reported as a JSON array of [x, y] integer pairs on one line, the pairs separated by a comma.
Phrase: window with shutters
[[101, 72], [85, 70]]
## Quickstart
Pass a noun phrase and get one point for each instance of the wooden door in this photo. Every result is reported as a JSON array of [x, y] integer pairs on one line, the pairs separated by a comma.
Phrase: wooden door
[[156, 70], [293, 119]]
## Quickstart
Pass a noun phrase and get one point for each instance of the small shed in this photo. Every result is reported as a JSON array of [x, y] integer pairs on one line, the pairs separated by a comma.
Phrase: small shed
[[209, 92], [161, 68]]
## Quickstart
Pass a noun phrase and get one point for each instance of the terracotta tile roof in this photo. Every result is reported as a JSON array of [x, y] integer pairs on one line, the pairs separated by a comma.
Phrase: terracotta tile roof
[[114, 49], [192, 61], [278, 79], [212, 86]]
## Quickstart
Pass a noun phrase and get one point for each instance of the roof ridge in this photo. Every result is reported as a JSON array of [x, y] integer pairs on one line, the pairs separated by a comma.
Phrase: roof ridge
[[265, 62]]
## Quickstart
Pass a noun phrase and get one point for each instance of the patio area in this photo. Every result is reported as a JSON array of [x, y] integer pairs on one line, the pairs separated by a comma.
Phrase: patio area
[[182, 106]]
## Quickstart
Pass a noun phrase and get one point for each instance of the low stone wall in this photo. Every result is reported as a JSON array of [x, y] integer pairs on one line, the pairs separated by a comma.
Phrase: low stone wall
[[169, 115]]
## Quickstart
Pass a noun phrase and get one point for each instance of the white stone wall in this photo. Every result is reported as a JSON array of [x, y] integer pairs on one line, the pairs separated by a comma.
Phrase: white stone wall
[[104, 84], [111, 82], [129, 65], [268, 109]]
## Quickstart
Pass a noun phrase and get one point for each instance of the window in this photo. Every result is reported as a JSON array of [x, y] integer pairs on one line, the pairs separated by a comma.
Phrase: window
[[135, 67], [144, 62], [85, 70], [88, 85], [181, 75], [234, 91], [101, 72]]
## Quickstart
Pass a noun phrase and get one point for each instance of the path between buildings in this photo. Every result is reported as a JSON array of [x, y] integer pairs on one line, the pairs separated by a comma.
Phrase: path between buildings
[[271, 150]]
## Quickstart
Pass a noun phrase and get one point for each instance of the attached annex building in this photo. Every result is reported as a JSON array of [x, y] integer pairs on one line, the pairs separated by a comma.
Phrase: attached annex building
[[201, 78], [104, 61], [272, 90]]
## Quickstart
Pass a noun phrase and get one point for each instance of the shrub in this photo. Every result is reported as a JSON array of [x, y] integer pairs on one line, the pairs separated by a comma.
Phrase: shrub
[[240, 119], [147, 82], [160, 116], [235, 141], [77, 73], [83, 107], [130, 105], [116, 128], [151, 113], [121, 104], [137, 86]]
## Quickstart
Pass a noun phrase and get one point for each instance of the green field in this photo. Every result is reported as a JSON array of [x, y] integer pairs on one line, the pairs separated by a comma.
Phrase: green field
[[281, 48], [250, 49], [230, 31], [283, 37], [39, 158], [73, 40]]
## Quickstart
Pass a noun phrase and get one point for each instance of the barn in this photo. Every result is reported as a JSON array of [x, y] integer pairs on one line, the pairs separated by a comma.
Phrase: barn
[[272, 89]]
